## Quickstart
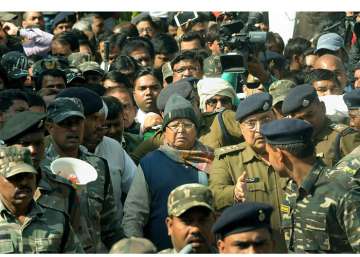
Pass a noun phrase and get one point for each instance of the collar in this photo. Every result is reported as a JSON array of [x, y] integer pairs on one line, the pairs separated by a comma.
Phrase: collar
[[249, 154], [35, 211], [311, 179]]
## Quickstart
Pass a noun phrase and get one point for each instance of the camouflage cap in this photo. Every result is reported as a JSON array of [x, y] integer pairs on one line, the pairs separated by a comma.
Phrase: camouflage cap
[[188, 196], [133, 245], [74, 74], [46, 64], [167, 71], [15, 160], [21, 122], [64, 107], [91, 66], [7, 16], [75, 59], [279, 90], [16, 64]]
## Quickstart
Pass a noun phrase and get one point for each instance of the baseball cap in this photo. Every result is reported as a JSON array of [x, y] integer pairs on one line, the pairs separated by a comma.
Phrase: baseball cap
[[7, 16], [279, 90], [15, 64], [15, 160], [91, 66], [187, 196], [64, 107], [330, 41]]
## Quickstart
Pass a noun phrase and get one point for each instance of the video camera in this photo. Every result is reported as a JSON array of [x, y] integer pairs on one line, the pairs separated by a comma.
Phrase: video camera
[[240, 41]]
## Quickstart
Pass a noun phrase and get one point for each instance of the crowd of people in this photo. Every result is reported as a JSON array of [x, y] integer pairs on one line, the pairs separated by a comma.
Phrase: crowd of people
[[201, 139]]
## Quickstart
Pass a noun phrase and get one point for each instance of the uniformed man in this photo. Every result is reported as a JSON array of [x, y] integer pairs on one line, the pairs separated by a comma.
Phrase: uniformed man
[[321, 210], [99, 224], [27, 129], [236, 164], [332, 141], [190, 217], [25, 227], [245, 228], [352, 101]]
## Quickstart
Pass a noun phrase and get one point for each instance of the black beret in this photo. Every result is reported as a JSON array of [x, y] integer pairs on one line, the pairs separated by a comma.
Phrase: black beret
[[279, 59], [243, 217], [287, 131], [91, 101], [352, 99], [63, 17], [256, 103], [299, 97], [182, 87], [20, 123]]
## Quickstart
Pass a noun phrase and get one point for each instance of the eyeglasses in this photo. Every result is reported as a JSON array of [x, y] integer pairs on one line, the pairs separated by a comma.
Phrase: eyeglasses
[[254, 123], [175, 127], [212, 102], [183, 69]]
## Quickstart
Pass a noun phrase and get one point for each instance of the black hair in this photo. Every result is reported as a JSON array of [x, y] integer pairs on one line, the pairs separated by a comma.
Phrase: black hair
[[274, 39], [49, 72], [124, 63], [296, 76], [35, 100], [111, 90], [132, 44], [128, 29], [212, 33], [146, 71], [296, 46], [299, 150], [9, 95], [321, 74], [114, 107], [164, 44], [187, 55], [118, 77], [97, 88], [68, 38], [192, 35]]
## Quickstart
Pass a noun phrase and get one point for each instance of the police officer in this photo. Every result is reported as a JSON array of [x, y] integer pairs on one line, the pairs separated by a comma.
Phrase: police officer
[[25, 227], [321, 210], [352, 101], [236, 164], [99, 224], [190, 217], [332, 141], [27, 129], [245, 228]]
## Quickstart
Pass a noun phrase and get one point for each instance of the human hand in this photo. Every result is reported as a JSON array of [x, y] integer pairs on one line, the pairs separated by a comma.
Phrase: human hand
[[240, 188]]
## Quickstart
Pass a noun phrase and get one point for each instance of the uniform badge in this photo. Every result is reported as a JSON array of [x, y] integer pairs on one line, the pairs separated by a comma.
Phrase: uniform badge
[[305, 103], [285, 209], [261, 216], [266, 106]]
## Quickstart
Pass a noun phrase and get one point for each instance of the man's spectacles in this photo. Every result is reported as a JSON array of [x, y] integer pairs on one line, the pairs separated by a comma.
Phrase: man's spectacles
[[212, 102], [183, 69], [175, 127], [253, 124]]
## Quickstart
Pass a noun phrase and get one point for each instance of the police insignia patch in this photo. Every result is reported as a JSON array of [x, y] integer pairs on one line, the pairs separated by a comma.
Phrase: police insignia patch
[[305, 103], [266, 106], [261, 216]]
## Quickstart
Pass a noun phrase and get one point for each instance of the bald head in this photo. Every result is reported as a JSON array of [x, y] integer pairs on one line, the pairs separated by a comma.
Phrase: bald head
[[333, 63]]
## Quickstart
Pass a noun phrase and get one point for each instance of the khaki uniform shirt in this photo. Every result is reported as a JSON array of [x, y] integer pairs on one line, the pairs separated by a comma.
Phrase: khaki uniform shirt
[[326, 143], [229, 164], [45, 230]]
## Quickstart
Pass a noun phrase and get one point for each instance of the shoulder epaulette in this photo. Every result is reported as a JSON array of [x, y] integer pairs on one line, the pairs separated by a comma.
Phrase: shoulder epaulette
[[229, 149]]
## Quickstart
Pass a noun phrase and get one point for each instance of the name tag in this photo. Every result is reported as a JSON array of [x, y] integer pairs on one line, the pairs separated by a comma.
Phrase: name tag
[[285, 209]]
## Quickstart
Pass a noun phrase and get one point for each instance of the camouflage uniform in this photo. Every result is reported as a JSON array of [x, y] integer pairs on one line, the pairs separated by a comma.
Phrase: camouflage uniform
[[323, 214], [44, 229], [212, 66], [98, 223], [229, 164], [351, 162]]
